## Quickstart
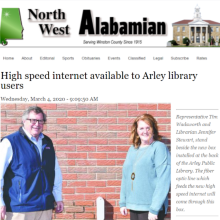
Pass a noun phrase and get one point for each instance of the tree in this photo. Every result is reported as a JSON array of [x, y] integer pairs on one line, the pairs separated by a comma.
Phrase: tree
[[186, 41]]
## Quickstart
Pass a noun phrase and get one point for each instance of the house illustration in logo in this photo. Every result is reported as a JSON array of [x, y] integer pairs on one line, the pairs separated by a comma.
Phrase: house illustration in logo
[[10, 25], [197, 30]]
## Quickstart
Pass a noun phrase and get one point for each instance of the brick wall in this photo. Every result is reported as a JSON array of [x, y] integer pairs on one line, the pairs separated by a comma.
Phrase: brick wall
[[91, 142]]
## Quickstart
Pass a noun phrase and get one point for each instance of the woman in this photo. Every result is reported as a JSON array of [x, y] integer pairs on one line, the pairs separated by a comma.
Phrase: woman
[[146, 173]]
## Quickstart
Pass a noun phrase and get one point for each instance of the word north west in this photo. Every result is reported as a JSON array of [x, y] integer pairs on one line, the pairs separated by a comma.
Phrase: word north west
[[50, 16]]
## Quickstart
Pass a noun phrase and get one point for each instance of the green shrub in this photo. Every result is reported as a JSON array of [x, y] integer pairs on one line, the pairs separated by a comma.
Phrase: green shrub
[[174, 42], [186, 41]]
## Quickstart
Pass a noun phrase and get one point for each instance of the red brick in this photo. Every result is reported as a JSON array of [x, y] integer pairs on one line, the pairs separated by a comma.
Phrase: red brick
[[164, 120], [68, 190], [84, 215], [74, 209], [117, 113], [8, 121], [61, 155], [56, 113], [96, 183], [117, 127], [86, 121], [8, 106], [86, 148], [86, 134], [118, 141], [97, 169], [168, 128], [120, 162], [76, 183], [107, 134], [68, 203], [4, 134], [66, 120], [3, 113], [56, 127], [98, 141], [14, 113], [158, 113], [97, 113], [59, 141], [66, 134], [147, 106], [105, 189], [123, 106], [97, 156], [51, 120], [86, 176], [90, 209], [85, 190], [86, 162], [94, 196], [66, 148], [113, 196], [77, 155], [13, 127], [97, 127], [84, 203], [122, 148], [114, 169], [77, 169], [114, 183], [24, 106], [47, 106], [106, 162], [77, 141], [124, 134], [165, 134], [77, 127], [117, 155], [77, 113], [126, 120], [164, 106], [162, 127], [73, 197], [105, 176], [63, 170], [67, 176], [87, 106], [50, 134], [68, 163], [107, 120], [136, 113], [107, 106], [3, 127], [106, 148], [64, 216], [66, 106]]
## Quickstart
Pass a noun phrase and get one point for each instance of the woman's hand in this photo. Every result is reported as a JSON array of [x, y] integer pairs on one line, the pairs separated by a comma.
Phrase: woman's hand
[[152, 216], [123, 211]]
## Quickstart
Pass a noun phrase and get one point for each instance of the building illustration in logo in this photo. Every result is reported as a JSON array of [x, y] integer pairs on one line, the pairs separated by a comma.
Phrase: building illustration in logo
[[10, 25], [197, 30]]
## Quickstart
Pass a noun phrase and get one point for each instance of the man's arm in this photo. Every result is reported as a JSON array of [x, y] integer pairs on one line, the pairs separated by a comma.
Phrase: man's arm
[[5, 159], [57, 189]]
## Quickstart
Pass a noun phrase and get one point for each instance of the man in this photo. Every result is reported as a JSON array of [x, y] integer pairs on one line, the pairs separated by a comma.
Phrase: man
[[29, 171]]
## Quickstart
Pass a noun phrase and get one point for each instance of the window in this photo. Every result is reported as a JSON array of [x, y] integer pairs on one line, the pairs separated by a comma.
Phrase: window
[[217, 38], [203, 38], [183, 29], [217, 29], [211, 29], [183, 37], [178, 38], [178, 29]]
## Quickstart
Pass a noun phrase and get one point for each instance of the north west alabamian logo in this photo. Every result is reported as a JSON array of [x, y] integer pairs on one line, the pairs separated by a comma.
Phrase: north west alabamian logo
[[10, 25]]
